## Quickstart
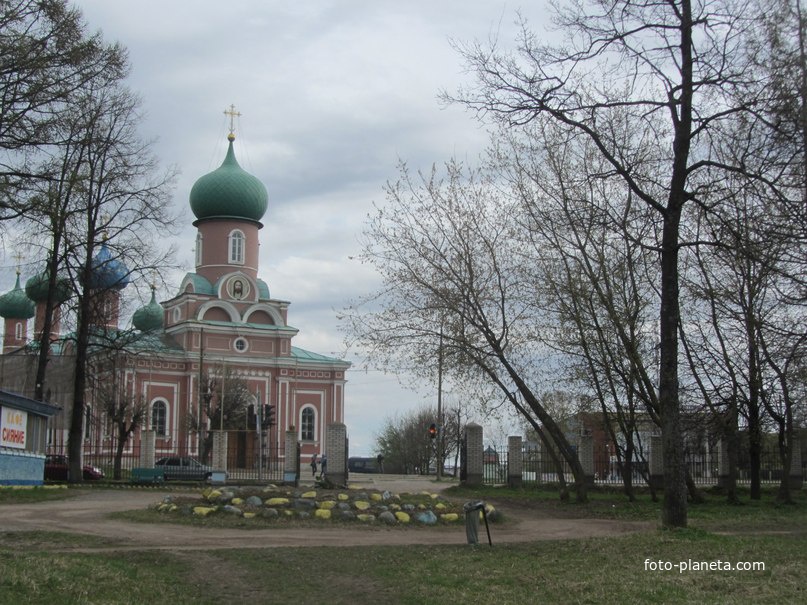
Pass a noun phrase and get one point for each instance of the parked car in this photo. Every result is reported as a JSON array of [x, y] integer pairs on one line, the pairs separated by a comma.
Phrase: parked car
[[184, 469], [56, 469]]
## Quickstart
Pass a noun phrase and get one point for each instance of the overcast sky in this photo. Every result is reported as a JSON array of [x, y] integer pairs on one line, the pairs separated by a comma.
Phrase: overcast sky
[[333, 94]]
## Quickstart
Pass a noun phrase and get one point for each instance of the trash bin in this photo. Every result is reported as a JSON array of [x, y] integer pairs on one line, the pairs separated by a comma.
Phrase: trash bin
[[472, 521]]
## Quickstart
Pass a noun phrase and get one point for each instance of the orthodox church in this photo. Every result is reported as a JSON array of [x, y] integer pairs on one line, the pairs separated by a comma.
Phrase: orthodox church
[[222, 316]]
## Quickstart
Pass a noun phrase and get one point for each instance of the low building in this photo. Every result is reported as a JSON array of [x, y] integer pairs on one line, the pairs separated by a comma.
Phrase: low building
[[23, 439]]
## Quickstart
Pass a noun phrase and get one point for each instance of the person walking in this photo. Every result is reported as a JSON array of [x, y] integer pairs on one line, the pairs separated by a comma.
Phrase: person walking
[[314, 465], [323, 464]]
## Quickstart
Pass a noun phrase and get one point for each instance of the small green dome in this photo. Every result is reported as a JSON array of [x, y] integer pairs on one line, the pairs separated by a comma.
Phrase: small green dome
[[15, 304], [149, 318], [229, 192], [37, 288]]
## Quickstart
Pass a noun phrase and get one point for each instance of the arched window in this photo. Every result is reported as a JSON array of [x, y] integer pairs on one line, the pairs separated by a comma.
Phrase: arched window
[[198, 249], [159, 416], [237, 247], [307, 419], [19, 335]]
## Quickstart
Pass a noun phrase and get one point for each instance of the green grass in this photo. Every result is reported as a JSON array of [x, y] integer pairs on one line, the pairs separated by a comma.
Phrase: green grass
[[38, 567], [16, 495], [609, 570]]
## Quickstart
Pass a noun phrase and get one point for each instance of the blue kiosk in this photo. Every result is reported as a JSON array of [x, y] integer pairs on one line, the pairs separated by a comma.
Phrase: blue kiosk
[[23, 438]]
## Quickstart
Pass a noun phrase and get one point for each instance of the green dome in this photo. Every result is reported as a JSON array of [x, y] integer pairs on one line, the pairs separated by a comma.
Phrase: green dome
[[229, 192], [37, 288], [15, 304], [150, 317]]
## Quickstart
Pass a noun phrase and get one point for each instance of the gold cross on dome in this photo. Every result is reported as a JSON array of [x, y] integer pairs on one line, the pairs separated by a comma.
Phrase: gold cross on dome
[[233, 114]]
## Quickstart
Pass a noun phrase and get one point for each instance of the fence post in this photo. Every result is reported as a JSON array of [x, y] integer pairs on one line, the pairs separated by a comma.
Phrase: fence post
[[515, 461], [474, 454], [220, 443], [796, 472], [585, 454], [336, 450], [148, 444], [656, 462], [291, 458]]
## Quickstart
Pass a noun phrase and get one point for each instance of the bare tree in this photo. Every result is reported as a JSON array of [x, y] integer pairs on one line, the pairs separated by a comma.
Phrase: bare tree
[[633, 72], [47, 58], [452, 269]]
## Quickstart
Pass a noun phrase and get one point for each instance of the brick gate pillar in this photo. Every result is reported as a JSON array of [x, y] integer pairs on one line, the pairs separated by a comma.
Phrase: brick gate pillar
[[515, 461], [585, 454], [474, 454], [336, 450], [148, 441], [220, 442], [291, 458]]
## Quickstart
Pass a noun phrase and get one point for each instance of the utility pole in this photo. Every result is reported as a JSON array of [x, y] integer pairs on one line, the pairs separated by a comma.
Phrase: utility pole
[[440, 406]]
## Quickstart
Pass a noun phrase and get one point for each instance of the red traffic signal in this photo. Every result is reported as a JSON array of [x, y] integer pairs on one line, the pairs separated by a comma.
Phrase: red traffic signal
[[433, 430]]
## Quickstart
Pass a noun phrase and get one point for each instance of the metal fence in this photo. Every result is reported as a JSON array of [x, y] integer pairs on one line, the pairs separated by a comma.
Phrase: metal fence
[[538, 467], [245, 461]]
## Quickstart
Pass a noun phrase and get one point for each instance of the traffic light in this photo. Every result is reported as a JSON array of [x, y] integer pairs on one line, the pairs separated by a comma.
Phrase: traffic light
[[267, 416], [433, 430]]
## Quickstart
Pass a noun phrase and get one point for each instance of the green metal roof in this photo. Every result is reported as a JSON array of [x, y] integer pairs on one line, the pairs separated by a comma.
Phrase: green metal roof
[[16, 304], [37, 288], [149, 318], [229, 192], [200, 284], [309, 356]]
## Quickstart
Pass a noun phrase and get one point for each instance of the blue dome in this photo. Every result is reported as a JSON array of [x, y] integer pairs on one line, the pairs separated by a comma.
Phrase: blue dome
[[108, 273]]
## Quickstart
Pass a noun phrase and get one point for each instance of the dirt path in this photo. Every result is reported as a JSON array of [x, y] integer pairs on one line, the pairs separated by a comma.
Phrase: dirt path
[[87, 513]]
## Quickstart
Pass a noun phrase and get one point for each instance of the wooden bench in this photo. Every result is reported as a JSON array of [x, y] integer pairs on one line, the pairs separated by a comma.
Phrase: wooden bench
[[147, 475]]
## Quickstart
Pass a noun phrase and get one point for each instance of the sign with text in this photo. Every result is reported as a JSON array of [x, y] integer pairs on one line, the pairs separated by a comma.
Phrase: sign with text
[[12, 427]]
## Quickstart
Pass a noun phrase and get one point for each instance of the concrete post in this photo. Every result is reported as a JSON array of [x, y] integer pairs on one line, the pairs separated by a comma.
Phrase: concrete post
[[796, 472], [220, 443], [585, 454], [656, 462], [474, 454], [515, 461], [336, 451], [148, 441], [291, 458]]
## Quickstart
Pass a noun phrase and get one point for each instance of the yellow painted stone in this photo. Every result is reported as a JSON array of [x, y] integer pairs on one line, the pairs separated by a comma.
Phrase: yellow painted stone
[[326, 504], [342, 497], [366, 518], [310, 495], [433, 496], [173, 508], [402, 516], [375, 497], [322, 513], [203, 511], [421, 507], [361, 504], [249, 515], [288, 513], [237, 501], [450, 517], [440, 506], [213, 494], [394, 506], [277, 502]]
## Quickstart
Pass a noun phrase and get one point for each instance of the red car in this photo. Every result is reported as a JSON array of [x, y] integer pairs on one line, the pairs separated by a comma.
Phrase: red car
[[56, 467]]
